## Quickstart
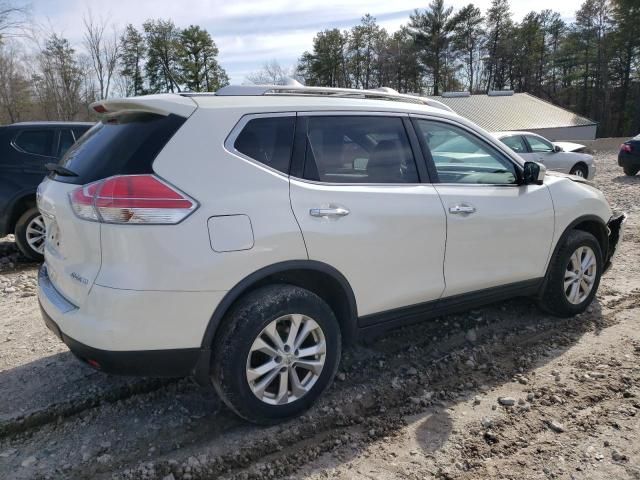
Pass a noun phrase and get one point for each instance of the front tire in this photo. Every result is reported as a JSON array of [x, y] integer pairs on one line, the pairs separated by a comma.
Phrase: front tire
[[630, 171], [277, 351], [574, 275], [580, 170], [31, 234]]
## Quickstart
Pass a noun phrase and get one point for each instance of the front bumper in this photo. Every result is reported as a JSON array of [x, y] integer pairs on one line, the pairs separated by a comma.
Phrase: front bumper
[[615, 229], [125, 332]]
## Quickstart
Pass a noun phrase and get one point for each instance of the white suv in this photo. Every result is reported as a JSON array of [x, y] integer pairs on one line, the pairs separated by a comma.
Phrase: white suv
[[243, 237]]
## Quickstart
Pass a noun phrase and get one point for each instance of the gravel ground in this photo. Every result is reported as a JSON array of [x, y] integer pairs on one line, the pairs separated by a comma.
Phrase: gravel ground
[[498, 392]]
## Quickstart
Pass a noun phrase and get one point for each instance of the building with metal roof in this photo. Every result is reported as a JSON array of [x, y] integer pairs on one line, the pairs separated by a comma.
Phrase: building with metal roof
[[508, 111]]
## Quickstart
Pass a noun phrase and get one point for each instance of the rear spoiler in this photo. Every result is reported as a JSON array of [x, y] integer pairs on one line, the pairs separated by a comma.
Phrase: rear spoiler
[[161, 104]]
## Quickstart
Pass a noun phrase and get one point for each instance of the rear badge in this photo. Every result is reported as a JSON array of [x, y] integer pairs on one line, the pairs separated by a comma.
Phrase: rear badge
[[79, 278]]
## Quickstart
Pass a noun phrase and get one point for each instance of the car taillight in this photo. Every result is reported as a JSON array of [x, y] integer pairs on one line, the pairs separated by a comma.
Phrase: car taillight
[[131, 199], [625, 147]]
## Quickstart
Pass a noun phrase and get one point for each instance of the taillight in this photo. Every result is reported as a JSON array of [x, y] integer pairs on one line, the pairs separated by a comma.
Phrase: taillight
[[131, 199], [625, 147]]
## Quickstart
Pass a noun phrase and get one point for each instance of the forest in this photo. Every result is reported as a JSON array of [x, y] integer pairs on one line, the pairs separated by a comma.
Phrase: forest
[[590, 65]]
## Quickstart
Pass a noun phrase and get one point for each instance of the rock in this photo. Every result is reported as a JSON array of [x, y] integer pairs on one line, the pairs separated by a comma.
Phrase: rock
[[412, 371], [105, 444], [491, 436], [169, 477], [506, 401], [477, 400], [530, 396], [523, 380], [341, 377], [27, 462], [9, 290], [104, 459], [471, 336], [486, 422], [555, 426], [8, 453], [619, 457]]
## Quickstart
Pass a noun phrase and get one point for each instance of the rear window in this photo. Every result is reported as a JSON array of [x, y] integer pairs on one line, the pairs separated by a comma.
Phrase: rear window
[[125, 145]]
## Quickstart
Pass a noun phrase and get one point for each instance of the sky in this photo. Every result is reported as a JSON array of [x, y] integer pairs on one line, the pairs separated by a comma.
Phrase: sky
[[250, 33]]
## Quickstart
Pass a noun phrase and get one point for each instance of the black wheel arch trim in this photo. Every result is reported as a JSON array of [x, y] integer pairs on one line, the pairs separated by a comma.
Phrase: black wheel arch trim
[[604, 241], [349, 326]]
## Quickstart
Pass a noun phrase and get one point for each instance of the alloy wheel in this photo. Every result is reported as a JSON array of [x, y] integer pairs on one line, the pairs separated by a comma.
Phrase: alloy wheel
[[580, 275], [286, 359], [36, 234]]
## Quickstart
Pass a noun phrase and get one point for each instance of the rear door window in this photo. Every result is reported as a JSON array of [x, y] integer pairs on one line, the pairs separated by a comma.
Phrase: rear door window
[[358, 149], [123, 145], [36, 142], [515, 143], [268, 140]]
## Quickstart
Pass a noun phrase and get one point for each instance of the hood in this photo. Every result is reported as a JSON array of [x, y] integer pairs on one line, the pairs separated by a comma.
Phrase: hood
[[573, 178], [570, 147]]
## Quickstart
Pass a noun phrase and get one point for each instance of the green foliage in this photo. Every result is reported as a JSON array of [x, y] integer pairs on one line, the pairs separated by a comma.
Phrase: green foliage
[[197, 52], [132, 54], [591, 66]]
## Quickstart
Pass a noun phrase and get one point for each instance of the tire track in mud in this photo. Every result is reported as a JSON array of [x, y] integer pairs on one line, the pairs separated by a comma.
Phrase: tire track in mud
[[439, 350], [349, 416]]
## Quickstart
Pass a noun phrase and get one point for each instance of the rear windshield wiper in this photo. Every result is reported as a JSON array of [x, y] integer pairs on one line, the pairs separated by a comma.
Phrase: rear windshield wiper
[[60, 170]]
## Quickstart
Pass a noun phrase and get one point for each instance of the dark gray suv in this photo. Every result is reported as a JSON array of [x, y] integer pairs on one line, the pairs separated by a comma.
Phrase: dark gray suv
[[25, 149]]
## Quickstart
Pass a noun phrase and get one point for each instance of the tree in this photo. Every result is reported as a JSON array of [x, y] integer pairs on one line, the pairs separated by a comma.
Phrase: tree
[[626, 15], [433, 29], [163, 62], [363, 51], [327, 64], [499, 27], [468, 39], [271, 73], [132, 55], [197, 52], [13, 17], [14, 85], [58, 84], [103, 51]]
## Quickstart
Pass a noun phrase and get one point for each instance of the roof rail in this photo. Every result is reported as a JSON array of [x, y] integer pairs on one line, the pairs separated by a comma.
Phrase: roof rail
[[383, 93]]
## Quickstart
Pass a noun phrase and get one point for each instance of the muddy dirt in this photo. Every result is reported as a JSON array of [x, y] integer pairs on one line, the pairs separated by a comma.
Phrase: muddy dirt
[[499, 392]]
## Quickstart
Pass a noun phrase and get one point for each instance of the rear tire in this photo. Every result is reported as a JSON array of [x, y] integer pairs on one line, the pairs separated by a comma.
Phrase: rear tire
[[630, 171], [573, 277], [30, 234], [580, 170], [266, 379]]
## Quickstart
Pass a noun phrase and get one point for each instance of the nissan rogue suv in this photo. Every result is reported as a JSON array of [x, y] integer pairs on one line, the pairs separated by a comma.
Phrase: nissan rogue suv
[[244, 237]]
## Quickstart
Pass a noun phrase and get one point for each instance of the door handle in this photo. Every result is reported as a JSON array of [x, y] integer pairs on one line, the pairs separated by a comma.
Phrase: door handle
[[329, 212], [462, 209]]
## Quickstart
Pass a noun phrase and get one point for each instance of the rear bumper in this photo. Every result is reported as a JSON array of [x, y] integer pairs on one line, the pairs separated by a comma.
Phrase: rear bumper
[[628, 160], [615, 228], [152, 363], [130, 332]]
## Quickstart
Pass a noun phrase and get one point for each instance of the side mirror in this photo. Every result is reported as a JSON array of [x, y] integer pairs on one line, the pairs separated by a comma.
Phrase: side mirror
[[533, 173], [557, 148]]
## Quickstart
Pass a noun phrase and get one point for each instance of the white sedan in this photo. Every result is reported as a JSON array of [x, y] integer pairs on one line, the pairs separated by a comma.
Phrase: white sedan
[[559, 156]]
